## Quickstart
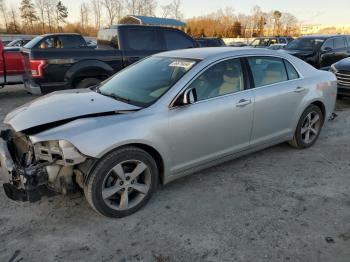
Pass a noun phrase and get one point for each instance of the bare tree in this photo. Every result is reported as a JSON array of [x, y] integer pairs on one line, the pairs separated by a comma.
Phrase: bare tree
[[49, 7], [96, 9], [172, 10], [13, 25], [289, 24], [141, 7], [114, 10], [40, 5], [132, 6], [84, 16], [3, 11]]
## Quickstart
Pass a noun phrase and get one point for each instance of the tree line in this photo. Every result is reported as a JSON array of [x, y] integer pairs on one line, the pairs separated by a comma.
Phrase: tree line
[[46, 16], [228, 23]]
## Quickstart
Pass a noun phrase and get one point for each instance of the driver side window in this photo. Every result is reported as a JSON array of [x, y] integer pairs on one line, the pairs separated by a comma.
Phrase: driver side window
[[221, 79], [329, 44]]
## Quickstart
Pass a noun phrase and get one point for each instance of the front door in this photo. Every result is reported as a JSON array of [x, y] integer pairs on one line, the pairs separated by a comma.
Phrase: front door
[[218, 124]]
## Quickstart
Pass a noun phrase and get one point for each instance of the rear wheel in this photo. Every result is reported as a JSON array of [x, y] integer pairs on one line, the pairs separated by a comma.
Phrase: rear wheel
[[309, 128], [88, 82], [122, 182]]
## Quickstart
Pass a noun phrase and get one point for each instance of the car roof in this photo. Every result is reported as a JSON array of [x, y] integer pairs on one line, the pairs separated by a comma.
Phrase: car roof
[[219, 52], [322, 36], [61, 34]]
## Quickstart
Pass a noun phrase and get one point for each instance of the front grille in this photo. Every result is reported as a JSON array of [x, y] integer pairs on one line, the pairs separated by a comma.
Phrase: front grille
[[343, 78]]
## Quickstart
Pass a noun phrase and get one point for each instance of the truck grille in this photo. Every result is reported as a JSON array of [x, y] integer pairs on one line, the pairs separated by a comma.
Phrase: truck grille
[[343, 78]]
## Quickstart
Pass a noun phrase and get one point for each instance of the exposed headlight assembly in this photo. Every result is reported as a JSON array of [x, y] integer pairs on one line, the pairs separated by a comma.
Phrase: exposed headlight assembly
[[59, 151]]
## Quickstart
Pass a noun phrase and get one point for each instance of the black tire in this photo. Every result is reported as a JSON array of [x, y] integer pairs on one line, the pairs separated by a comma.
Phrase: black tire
[[298, 141], [95, 183], [88, 82]]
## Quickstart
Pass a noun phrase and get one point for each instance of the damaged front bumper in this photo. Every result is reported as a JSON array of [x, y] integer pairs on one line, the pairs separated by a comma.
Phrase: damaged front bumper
[[22, 184]]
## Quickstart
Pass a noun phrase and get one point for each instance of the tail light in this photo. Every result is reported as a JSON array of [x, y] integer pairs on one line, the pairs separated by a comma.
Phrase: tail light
[[36, 68]]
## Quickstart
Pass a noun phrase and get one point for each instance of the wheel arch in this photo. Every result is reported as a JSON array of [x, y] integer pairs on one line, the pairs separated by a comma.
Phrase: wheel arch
[[320, 105], [88, 69], [153, 152]]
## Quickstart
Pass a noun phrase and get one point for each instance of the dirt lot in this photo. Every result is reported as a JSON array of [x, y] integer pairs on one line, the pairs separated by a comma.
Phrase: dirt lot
[[280, 204]]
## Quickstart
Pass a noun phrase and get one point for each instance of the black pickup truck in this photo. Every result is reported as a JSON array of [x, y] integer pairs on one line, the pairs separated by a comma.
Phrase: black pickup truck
[[61, 61]]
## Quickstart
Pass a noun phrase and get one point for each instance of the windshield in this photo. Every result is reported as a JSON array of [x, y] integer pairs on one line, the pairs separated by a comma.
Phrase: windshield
[[308, 44], [143, 83]]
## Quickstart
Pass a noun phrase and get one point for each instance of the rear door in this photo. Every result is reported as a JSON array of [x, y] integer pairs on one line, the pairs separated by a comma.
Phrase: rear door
[[140, 42], [278, 91]]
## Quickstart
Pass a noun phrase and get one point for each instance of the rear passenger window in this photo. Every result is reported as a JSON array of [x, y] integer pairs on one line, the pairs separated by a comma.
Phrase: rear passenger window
[[141, 39], [50, 42], [176, 40], [72, 41], [292, 73], [267, 70], [339, 43]]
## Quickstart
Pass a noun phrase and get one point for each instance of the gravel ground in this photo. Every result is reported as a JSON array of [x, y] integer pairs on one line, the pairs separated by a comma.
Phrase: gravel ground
[[279, 204]]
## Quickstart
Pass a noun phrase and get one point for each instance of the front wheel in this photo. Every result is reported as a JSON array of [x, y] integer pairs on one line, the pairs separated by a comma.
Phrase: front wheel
[[122, 182], [309, 128], [88, 82]]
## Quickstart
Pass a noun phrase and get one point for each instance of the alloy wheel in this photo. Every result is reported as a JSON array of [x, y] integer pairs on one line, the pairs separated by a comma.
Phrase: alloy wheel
[[311, 127], [126, 185]]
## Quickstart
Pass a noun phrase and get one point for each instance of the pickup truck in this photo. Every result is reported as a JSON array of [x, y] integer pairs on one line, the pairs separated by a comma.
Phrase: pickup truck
[[60, 64], [11, 65]]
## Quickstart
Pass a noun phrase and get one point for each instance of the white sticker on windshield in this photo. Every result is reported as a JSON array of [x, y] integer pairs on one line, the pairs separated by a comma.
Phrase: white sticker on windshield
[[183, 64]]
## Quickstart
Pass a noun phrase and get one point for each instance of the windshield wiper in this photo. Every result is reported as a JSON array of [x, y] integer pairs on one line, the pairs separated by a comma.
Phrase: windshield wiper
[[116, 97]]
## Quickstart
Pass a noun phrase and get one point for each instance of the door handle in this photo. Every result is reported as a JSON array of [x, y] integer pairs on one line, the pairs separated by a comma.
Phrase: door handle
[[243, 102], [299, 89]]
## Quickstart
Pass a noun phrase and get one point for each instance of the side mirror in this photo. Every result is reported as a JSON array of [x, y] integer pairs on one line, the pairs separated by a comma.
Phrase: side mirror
[[190, 96]]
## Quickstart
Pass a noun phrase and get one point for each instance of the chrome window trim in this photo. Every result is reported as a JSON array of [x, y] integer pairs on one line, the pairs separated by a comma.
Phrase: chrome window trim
[[171, 105]]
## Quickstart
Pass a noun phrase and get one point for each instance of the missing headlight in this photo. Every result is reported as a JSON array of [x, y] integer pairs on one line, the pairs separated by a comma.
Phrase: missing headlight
[[61, 152]]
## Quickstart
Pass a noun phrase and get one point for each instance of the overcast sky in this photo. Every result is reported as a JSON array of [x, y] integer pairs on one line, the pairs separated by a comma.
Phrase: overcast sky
[[307, 11]]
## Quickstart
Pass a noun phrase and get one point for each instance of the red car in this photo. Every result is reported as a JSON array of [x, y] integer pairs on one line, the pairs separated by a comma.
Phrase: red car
[[11, 65]]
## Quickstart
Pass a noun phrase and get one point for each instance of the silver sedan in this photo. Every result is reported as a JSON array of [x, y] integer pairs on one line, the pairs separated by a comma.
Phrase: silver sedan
[[164, 117]]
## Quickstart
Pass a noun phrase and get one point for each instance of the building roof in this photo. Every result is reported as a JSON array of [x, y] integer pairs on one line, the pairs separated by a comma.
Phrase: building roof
[[147, 20]]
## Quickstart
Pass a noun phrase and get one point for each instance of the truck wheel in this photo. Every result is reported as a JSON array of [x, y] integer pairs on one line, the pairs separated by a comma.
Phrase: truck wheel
[[88, 82], [309, 128], [122, 182]]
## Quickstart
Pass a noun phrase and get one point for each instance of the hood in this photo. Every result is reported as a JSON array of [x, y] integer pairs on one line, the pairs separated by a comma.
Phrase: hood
[[64, 106], [343, 65], [298, 53]]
